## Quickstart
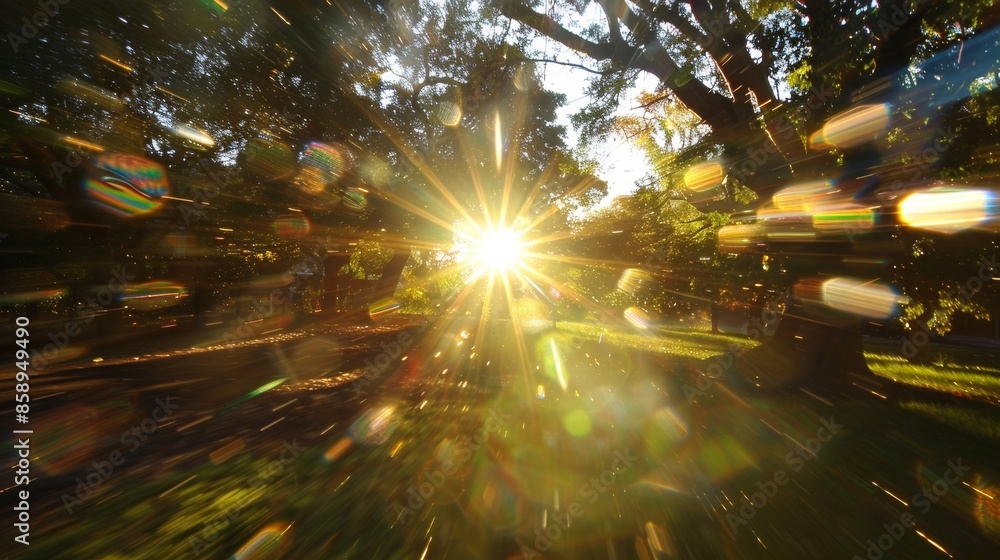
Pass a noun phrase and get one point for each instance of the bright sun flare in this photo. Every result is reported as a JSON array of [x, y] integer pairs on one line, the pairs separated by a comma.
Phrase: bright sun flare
[[499, 250]]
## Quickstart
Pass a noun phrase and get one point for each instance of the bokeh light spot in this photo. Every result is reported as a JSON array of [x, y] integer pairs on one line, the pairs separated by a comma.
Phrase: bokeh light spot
[[577, 423]]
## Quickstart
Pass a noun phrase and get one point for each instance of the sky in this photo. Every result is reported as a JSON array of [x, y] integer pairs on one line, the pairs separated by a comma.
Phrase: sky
[[621, 164]]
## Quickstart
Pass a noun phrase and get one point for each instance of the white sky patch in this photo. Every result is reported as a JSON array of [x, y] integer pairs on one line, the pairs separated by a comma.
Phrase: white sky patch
[[621, 162]]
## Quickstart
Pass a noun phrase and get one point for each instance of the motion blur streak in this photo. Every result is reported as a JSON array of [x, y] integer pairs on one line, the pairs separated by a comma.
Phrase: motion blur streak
[[803, 195], [948, 209], [703, 176], [854, 126], [868, 299], [500, 280]]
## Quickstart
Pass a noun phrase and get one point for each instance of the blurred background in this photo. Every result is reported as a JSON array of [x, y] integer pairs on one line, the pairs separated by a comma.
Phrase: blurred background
[[501, 279]]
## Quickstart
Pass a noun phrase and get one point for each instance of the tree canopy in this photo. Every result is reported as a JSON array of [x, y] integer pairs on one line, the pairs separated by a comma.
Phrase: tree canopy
[[280, 130]]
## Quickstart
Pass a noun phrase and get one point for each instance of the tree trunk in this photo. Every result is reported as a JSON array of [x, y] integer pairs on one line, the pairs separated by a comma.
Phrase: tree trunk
[[917, 346], [730, 118], [331, 282], [391, 274], [812, 345]]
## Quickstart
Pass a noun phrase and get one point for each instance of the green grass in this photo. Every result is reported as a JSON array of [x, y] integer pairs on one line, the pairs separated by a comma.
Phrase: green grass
[[971, 380], [975, 421], [967, 372], [681, 343]]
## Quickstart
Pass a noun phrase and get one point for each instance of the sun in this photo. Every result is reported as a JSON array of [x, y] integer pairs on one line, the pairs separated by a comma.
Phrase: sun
[[499, 249]]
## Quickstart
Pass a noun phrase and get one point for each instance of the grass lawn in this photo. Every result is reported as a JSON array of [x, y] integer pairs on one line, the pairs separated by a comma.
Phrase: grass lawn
[[680, 343], [968, 379], [961, 371]]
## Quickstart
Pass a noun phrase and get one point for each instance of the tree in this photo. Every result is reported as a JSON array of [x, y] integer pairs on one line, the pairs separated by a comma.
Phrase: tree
[[699, 51], [724, 60], [653, 251], [763, 81], [194, 89], [290, 131]]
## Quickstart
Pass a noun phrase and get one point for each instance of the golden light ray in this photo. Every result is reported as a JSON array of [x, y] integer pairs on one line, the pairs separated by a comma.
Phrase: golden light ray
[[610, 265], [502, 246], [498, 140], [508, 174], [508, 179], [410, 207], [558, 363], [552, 209], [397, 139], [522, 349], [567, 290], [520, 115], [477, 183], [535, 191]]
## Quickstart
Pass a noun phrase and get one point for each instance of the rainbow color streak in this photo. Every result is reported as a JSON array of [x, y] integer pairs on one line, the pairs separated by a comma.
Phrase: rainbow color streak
[[843, 217], [292, 225], [638, 317], [269, 542], [383, 307], [374, 426], [321, 165], [354, 199], [153, 295], [126, 185], [948, 209]]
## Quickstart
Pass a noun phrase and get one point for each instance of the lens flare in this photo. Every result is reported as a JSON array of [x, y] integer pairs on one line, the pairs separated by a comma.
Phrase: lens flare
[[449, 113], [803, 195], [634, 280], [703, 176], [321, 165], [859, 297], [852, 127], [738, 238], [638, 317], [194, 134], [269, 542], [499, 250], [153, 295], [374, 427], [843, 217], [291, 226], [948, 210], [125, 185]]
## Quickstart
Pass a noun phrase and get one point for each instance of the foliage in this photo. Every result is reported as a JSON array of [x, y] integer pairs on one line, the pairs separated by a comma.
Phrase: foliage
[[368, 259]]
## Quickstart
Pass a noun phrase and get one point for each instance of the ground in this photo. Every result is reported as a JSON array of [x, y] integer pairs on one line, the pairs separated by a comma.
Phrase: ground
[[307, 447]]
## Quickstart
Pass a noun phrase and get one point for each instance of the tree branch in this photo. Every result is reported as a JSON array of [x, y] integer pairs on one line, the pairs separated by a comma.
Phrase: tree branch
[[653, 101], [570, 64], [612, 17], [671, 16]]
